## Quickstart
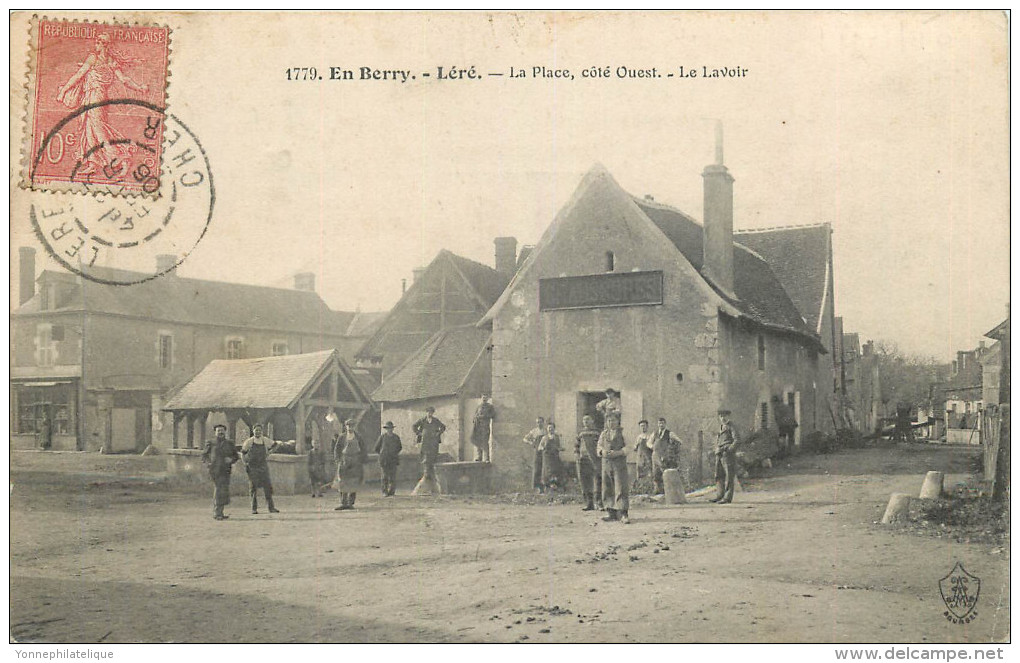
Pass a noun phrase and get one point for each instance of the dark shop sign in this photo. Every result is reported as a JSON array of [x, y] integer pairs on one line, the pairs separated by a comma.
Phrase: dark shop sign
[[600, 290]]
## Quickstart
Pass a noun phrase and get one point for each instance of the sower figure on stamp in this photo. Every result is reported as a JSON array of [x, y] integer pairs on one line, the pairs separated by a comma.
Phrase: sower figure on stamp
[[429, 434], [349, 454], [615, 484], [665, 453], [550, 446], [589, 465], [220, 455], [643, 447], [482, 428], [255, 451], [318, 475], [388, 447], [725, 460], [533, 437]]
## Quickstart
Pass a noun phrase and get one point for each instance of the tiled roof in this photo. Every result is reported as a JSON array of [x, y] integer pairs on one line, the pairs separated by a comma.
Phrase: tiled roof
[[266, 382], [197, 301], [439, 368], [365, 324], [761, 296], [484, 281], [799, 256]]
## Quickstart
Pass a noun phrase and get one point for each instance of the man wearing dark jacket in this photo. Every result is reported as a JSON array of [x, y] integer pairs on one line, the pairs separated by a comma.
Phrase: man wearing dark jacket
[[388, 447], [429, 434], [220, 455], [482, 428]]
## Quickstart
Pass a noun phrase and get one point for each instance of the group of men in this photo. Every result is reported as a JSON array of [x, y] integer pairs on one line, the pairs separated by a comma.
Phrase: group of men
[[601, 458]]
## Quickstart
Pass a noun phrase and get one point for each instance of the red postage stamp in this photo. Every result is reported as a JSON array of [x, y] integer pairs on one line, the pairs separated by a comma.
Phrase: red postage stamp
[[96, 102]]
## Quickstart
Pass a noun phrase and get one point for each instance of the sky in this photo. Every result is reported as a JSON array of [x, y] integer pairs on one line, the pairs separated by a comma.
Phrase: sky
[[892, 127]]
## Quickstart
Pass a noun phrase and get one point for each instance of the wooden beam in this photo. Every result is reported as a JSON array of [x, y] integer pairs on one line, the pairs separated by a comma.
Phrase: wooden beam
[[299, 428], [177, 419], [191, 432], [346, 405]]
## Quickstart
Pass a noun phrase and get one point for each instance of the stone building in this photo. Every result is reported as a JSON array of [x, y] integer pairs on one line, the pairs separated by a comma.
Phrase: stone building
[[97, 360], [681, 319]]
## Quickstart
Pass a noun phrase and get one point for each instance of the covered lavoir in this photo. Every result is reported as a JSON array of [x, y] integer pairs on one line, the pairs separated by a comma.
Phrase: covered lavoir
[[682, 319]]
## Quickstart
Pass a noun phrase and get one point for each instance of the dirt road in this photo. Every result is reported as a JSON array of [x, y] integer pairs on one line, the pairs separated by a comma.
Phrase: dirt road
[[798, 557]]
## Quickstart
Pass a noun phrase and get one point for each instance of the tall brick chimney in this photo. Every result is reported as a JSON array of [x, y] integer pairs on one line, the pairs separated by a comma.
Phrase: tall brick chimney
[[717, 243], [26, 274], [165, 262], [506, 255], [304, 281]]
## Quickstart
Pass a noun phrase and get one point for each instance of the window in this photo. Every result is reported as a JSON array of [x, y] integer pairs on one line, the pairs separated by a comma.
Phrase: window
[[764, 416], [279, 348], [36, 404], [761, 352], [235, 347], [45, 346], [610, 262], [166, 350]]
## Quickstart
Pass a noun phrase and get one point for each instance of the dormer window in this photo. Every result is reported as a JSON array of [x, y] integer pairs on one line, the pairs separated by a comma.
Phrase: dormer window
[[610, 261]]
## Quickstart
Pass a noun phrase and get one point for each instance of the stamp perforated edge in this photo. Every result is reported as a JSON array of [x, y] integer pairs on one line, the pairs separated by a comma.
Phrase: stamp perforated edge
[[27, 120]]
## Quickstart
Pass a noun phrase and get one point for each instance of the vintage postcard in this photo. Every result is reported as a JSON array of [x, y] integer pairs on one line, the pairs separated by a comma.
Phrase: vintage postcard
[[511, 327]]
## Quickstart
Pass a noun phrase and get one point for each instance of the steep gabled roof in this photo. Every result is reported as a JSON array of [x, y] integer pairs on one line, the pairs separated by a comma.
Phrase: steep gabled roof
[[266, 382], [760, 295], [1000, 331], [484, 284], [438, 368], [197, 301], [799, 257]]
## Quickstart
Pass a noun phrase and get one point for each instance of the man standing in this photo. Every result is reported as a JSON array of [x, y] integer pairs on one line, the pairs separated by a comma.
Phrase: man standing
[[349, 454], [665, 453], [255, 451], [610, 405], [482, 428], [388, 447], [317, 474], [613, 451], [725, 460], [643, 447], [589, 465], [533, 437], [550, 446], [429, 433], [220, 455]]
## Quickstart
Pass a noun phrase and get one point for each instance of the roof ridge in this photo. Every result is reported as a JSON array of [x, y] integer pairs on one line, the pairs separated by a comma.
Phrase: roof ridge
[[670, 208], [198, 280], [795, 226]]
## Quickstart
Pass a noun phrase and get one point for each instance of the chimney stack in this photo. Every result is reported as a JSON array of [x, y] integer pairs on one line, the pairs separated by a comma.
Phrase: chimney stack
[[304, 281], [165, 263], [717, 243], [26, 274], [403, 286], [506, 255]]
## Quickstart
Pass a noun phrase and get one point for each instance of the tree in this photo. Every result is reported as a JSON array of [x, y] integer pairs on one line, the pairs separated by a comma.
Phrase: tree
[[907, 378]]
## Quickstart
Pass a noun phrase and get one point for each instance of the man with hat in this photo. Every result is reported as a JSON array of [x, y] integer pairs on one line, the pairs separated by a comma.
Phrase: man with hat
[[350, 454], [255, 452], [610, 405], [725, 459], [220, 455], [388, 447], [429, 434], [482, 428]]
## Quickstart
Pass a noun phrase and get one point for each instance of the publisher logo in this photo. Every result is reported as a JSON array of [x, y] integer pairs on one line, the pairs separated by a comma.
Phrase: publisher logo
[[960, 591]]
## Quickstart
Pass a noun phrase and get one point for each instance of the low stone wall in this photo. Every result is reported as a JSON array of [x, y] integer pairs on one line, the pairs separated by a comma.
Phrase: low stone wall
[[59, 442], [464, 478]]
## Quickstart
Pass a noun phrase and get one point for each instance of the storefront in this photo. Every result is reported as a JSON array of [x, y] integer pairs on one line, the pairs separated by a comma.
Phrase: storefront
[[45, 409]]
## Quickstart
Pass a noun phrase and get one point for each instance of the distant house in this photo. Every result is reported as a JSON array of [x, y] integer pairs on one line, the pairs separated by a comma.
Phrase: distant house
[[996, 385], [450, 373], [449, 292], [97, 360], [963, 397]]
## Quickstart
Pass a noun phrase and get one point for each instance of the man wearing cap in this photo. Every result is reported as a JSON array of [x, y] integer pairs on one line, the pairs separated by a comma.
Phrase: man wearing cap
[[482, 427], [255, 452], [349, 453], [388, 447], [613, 451], [429, 434], [665, 453], [610, 405], [589, 465], [725, 459], [220, 455]]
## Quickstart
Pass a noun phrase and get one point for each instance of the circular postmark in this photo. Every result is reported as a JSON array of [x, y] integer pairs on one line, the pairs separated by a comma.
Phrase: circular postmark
[[113, 238]]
